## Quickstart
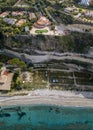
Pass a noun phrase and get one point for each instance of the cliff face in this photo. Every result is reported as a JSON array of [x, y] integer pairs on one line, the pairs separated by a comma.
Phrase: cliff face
[[74, 42]]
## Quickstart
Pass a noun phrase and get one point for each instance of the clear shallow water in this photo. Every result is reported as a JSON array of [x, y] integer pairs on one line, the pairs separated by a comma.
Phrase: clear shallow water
[[45, 117]]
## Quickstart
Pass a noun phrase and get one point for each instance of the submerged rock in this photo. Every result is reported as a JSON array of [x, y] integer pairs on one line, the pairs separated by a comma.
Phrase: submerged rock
[[21, 114], [5, 115]]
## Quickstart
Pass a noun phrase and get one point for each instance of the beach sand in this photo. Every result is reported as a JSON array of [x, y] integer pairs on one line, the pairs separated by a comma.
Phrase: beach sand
[[53, 97]]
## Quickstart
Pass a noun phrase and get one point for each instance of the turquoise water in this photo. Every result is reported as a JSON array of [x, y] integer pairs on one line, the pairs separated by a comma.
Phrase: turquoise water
[[45, 117]]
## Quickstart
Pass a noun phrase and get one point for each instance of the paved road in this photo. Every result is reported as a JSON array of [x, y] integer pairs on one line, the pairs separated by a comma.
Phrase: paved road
[[75, 27], [47, 57], [17, 2]]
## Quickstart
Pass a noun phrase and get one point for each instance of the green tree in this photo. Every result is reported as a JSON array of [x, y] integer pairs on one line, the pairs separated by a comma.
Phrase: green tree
[[22, 65], [16, 62], [1, 64]]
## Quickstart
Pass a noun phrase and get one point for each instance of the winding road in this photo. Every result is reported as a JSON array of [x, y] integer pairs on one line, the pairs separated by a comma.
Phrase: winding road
[[48, 56]]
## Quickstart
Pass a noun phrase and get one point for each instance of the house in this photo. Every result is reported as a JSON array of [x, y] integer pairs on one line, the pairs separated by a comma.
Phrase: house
[[89, 13], [17, 13], [20, 22], [32, 16], [70, 9], [4, 14], [10, 20], [5, 80], [42, 22]]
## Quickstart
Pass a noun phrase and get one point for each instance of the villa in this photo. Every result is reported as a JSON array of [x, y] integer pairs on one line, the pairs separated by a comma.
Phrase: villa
[[4, 14], [5, 80], [32, 16], [70, 9], [16, 13], [20, 22], [42, 22], [10, 20]]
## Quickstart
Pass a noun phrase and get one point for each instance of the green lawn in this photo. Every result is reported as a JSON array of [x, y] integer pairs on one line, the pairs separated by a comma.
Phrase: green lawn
[[41, 31]]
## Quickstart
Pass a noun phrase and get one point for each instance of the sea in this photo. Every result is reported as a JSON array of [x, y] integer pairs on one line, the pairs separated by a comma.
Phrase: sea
[[46, 117]]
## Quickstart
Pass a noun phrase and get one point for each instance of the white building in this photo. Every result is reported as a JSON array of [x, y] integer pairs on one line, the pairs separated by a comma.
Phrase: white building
[[85, 2]]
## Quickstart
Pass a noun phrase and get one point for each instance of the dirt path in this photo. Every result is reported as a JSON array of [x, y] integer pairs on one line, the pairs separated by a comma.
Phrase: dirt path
[[17, 2]]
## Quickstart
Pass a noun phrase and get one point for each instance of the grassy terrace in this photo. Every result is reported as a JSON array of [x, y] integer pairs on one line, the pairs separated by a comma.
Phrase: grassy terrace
[[38, 81], [71, 80], [59, 75], [62, 77], [60, 80]]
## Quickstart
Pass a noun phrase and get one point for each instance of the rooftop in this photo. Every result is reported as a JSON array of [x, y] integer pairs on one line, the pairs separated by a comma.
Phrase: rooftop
[[42, 22], [20, 22], [4, 14], [32, 16], [16, 13], [10, 20], [5, 80]]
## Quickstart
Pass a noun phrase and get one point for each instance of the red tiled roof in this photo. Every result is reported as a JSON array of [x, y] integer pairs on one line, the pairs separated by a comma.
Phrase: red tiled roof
[[42, 22], [5, 73]]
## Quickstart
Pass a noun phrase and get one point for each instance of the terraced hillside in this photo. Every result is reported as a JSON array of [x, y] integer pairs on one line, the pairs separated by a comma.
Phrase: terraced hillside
[[66, 76]]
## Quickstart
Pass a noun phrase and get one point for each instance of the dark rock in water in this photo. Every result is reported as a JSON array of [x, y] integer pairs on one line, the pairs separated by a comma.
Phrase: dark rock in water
[[50, 109], [87, 122], [18, 108], [5, 115], [1, 115], [21, 114], [57, 110], [12, 109]]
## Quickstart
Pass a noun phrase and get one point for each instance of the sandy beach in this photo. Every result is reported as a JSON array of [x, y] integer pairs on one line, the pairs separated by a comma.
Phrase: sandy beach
[[53, 97]]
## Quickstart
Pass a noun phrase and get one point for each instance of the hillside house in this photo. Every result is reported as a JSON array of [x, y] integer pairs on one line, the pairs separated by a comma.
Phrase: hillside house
[[42, 22]]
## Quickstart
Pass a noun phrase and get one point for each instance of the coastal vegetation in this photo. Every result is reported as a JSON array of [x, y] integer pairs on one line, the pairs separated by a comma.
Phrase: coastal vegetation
[[54, 78], [28, 81], [73, 42], [59, 75], [17, 63]]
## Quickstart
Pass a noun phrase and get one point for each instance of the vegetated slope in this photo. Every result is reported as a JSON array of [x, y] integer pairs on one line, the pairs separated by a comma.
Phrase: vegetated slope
[[74, 42]]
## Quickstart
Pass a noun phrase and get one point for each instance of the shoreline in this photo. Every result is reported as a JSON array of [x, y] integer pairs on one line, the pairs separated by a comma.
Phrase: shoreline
[[50, 97]]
